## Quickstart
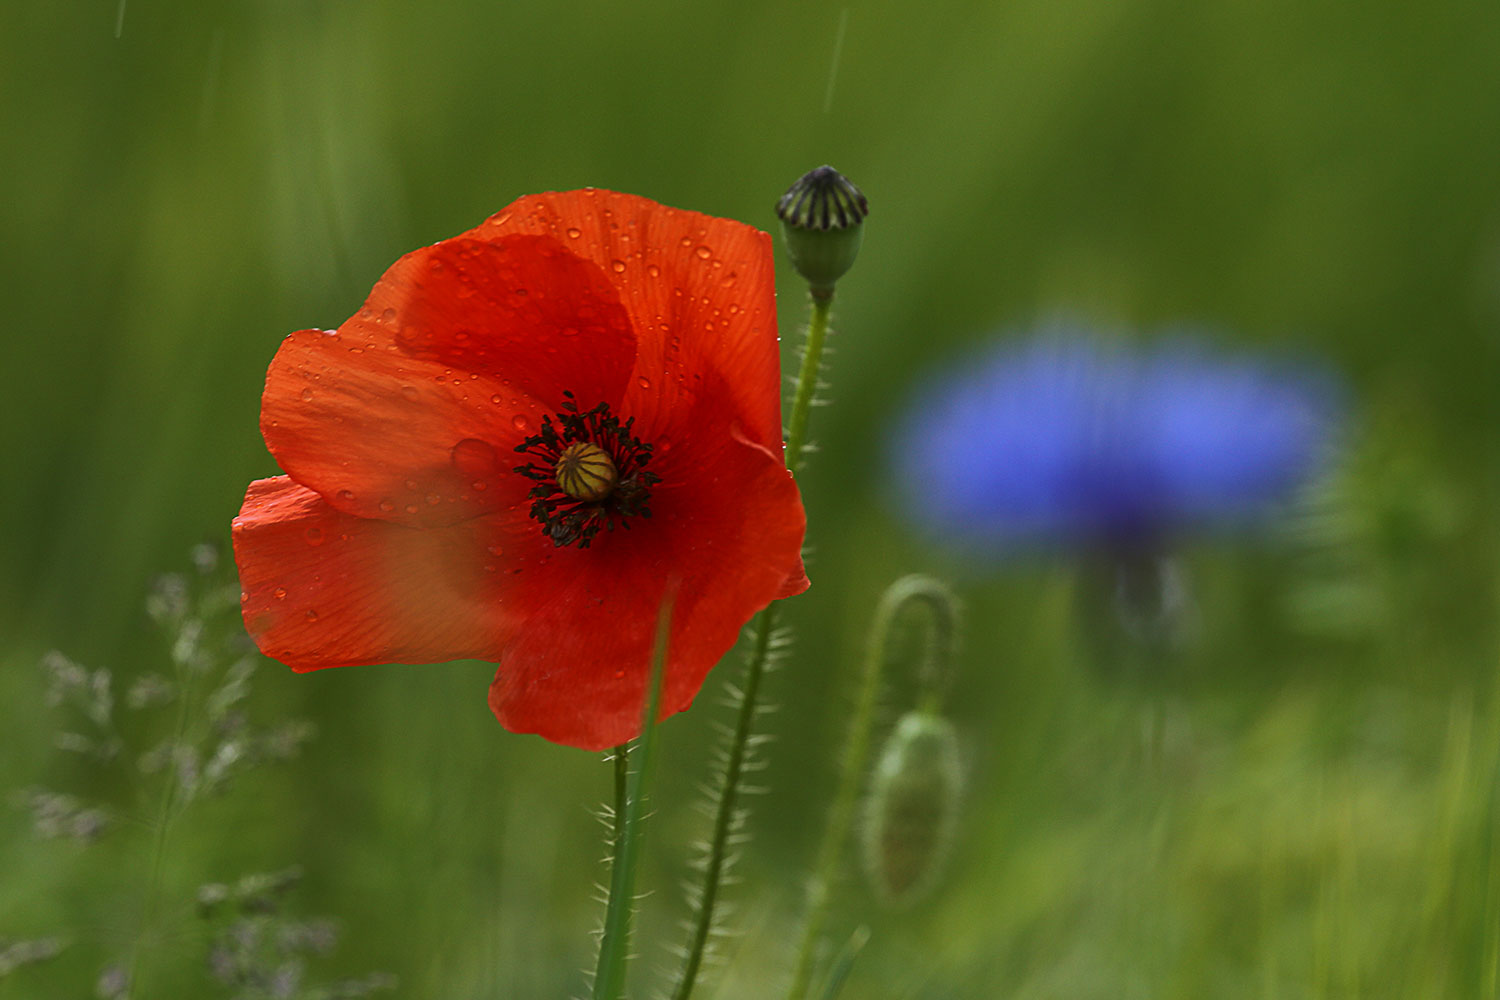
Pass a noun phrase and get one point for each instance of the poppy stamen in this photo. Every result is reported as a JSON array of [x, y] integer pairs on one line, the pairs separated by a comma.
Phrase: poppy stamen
[[589, 474]]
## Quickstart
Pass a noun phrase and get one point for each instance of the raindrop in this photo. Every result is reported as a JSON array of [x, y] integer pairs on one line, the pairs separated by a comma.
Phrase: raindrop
[[495, 550], [279, 593], [388, 316], [687, 241], [479, 485], [474, 456], [644, 382], [433, 499], [314, 535], [617, 265], [346, 495], [574, 233], [496, 399], [410, 391], [386, 505], [520, 422], [703, 252], [653, 270], [412, 508], [306, 395], [311, 615], [411, 484]]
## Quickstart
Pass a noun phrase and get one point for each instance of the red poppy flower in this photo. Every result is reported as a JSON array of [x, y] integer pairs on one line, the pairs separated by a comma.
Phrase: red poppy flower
[[512, 448]]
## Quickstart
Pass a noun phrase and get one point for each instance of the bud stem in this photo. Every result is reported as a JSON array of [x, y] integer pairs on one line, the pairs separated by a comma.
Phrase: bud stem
[[937, 651], [765, 626], [807, 380]]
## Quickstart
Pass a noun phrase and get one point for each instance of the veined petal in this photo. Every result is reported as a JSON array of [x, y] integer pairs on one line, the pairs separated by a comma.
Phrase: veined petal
[[700, 292], [409, 412], [321, 588]]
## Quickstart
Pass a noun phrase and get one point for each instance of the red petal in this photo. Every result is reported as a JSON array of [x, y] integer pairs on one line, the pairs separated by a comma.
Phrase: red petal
[[700, 292], [323, 589], [727, 525], [410, 411]]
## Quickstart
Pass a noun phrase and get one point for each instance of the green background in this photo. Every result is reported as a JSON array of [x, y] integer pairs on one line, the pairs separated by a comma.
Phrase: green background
[[185, 183]]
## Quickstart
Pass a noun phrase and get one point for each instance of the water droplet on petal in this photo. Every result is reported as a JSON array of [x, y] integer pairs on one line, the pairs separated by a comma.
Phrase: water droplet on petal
[[386, 505], [520, 422], [495, 550], [479, 486], [574, 233], [645, 383], [311, 615], [618, 266], [410, 391], [703, 252], [411, 484], [279, 593], [412, 508], [569, 331], [346, 495], [388, 316], [314, 535], [653, 270], [306, 395]]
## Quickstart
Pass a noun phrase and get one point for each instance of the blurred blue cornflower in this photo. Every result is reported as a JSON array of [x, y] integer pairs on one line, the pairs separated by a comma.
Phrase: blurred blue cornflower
[[1069, 440]]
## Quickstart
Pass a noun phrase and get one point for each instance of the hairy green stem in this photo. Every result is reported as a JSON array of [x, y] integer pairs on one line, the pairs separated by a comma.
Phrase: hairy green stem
[[807, 382], [630, 794], [765, 627], [932, 676]]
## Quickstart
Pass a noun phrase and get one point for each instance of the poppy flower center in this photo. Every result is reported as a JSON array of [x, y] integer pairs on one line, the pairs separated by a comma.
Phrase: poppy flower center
[[589, 471]]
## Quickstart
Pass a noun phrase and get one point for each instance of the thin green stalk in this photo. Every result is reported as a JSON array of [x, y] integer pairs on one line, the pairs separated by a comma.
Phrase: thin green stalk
[[614, 946], [165, 815], [713, 870], [765, 627], [932, 677], [807, 382]]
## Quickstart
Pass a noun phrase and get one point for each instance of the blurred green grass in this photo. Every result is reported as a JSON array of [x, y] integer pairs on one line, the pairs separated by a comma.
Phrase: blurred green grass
[[1314, 176]]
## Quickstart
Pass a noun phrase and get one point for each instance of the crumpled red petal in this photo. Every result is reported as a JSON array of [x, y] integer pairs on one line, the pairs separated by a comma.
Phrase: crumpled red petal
[[466, 341], [700, 291], [320, 588]]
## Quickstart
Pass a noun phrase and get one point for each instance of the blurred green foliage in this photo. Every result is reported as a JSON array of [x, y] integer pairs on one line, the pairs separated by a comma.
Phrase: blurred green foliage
[[1315, 812]]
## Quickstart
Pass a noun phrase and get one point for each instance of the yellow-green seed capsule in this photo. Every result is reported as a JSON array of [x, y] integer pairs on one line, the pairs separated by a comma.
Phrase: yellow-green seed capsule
[[912, 810], [586, 472]]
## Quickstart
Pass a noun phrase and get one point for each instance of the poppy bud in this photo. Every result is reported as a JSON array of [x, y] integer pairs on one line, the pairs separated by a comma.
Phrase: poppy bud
[[822, 220], [912, 810]]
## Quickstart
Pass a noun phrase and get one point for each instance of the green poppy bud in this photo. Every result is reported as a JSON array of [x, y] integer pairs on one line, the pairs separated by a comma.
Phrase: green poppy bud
[[822, 220], [912, 810]]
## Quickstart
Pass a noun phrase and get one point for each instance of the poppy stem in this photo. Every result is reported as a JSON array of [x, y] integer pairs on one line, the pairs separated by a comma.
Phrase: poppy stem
[[807, 381], [937, 652], [630, 794], [726, 809]]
